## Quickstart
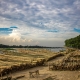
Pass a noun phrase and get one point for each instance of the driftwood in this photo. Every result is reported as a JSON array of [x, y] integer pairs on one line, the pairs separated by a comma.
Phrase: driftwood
[[18, 77], [9, 78], [51, 78], [32, 72]]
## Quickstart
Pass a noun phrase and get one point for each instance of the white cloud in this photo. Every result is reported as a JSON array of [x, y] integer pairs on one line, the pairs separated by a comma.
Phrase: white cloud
[[77, 4], [35, 18]]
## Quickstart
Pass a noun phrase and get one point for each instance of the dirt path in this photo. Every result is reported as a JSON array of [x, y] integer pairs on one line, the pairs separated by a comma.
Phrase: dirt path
[[45, 72]]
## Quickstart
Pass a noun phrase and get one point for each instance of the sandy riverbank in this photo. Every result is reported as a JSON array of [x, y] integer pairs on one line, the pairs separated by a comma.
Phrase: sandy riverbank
[[45, 73]]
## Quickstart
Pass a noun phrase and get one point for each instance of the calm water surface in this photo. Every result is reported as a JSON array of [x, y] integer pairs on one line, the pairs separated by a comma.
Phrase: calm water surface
[[56, 49]]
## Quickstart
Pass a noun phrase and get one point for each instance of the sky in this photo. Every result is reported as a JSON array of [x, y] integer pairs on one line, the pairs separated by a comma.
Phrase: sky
[[39, 22]]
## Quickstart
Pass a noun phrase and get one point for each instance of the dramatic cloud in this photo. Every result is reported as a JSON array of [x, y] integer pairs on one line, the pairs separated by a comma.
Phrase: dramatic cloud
[[39, 22]]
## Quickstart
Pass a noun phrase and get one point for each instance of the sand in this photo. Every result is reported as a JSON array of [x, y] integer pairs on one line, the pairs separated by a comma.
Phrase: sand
[[44, 72]]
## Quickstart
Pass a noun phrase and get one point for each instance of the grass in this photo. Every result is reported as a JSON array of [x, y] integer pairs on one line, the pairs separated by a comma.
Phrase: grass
[[18, 57]]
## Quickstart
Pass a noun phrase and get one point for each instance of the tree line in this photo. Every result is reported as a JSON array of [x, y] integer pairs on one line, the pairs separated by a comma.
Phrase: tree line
[[27, 46], [73, 42]]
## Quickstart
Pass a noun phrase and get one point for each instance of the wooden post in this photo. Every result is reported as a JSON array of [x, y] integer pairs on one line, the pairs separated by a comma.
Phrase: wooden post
[[11, 74], [37, 72], [0, 73], [1, 77], [31, 74], [49, 65], [6, 75]]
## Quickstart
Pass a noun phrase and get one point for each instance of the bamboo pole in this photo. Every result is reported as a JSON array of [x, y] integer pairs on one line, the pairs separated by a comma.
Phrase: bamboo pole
[[0, 73], [1, 77], [11, 74], [6, 75]]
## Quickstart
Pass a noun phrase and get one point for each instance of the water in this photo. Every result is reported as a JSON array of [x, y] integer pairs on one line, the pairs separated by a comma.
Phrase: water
[[56, 49], [50, 49]]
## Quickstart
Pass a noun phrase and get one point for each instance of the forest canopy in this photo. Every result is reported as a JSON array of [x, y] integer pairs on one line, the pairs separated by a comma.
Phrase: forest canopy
[[73, 42]]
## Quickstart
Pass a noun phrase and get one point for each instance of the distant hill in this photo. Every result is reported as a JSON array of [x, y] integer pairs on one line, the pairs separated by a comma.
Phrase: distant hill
[[73, 42]]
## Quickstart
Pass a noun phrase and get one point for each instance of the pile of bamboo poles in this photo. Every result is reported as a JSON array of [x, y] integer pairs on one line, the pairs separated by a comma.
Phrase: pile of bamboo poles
[[68, 63]]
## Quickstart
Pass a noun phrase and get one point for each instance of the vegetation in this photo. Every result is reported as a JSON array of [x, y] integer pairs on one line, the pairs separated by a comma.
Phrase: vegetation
[[12, 60], [20, 46], [73, 42]]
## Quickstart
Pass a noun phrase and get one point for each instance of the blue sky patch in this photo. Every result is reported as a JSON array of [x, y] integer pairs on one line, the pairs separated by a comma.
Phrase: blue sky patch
[[52, 31], [13, 27], [77, 30], [5, 30]]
